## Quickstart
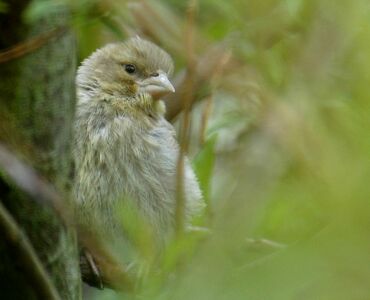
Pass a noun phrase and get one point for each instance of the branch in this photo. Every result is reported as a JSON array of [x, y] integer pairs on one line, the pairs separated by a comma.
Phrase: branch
[[30, 45], [23, 252], [186, 99], [25, 178], [207, 68]]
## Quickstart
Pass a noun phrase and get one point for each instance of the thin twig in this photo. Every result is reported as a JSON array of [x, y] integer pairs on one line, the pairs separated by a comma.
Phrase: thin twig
[[265, 243], [30, 45], [32, 184], [206, 113], [159, 25], [23, 252], [214, 81], [206, 68], [187, 100]]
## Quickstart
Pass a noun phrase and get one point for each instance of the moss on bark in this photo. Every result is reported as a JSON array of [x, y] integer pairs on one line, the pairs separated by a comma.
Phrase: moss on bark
[[37, 107]]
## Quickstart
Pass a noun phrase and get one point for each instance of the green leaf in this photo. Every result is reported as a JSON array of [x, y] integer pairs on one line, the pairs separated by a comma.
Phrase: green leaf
[[3, 7], [203, 165]]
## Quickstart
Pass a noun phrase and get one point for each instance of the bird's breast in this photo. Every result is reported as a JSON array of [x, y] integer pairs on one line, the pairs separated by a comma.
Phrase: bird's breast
[[127, 160]]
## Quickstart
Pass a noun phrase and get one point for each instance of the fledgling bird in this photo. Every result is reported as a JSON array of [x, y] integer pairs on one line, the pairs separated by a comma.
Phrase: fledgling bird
[[125, 151]]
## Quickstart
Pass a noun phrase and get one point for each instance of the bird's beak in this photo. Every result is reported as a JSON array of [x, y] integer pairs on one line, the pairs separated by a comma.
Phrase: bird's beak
[[157, 85]]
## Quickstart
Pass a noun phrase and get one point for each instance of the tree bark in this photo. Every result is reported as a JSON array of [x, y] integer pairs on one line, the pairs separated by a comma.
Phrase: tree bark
[[36, 110]]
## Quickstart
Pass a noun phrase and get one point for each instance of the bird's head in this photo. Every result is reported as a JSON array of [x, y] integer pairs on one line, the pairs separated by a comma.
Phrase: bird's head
[[126, 70]]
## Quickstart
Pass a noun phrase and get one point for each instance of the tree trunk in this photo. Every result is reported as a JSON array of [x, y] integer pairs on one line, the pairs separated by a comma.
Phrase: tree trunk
[[36, 110]]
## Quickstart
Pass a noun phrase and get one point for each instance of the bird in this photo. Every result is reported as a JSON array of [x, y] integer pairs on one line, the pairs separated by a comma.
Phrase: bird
[[125, 151]]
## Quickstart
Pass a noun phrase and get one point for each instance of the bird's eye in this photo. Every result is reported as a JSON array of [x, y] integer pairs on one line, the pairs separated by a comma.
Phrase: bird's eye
[[129, 68]]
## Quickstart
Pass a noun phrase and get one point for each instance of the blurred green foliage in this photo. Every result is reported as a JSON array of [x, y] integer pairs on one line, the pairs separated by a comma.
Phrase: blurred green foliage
[[297, 172], [3, 7], [203, 166]]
